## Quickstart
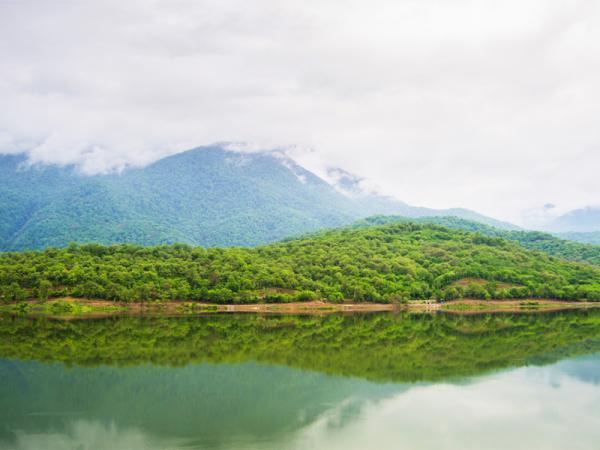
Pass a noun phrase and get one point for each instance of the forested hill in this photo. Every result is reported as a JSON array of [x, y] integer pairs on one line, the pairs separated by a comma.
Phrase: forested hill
[[534, 240], [385, 263], [207, 196]]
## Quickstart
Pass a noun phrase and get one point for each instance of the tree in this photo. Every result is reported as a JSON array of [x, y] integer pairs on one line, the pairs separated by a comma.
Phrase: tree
[[44, 290]]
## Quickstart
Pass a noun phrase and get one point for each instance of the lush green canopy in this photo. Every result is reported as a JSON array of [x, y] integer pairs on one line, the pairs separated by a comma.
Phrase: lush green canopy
[[207, 196], [534, 240], [386, 263]]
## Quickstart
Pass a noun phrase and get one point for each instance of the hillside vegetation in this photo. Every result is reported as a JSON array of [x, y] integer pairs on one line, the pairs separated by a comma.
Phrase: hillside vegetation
[[534, 240], [207, 196], [386, 263]]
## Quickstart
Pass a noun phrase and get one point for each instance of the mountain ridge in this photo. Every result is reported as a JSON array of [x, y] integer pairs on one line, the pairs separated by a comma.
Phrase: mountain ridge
[[208, 196], [582, 220]]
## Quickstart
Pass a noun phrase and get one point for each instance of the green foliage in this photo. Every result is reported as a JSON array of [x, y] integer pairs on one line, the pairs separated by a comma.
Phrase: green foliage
[[62, 307], [12, 292], [43, 290], [206, 196], [534, 240], [386, 263]]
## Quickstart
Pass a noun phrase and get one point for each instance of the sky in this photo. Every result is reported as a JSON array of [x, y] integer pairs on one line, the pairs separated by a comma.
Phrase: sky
[[487, 105]]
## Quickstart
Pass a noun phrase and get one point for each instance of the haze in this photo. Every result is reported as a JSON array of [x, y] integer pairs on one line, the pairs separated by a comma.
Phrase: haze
[[481, 104]]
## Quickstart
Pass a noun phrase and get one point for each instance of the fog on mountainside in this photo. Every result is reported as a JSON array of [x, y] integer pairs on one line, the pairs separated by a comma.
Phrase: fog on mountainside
[[208, 196], [583, 220]]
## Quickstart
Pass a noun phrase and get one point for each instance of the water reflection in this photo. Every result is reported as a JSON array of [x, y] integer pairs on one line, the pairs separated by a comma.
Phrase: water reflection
[[84, 434], [200, 404], [467, 392], [522, 409], [551, 407]]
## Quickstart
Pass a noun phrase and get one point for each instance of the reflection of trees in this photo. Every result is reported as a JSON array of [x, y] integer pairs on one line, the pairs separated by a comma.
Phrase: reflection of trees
[[385, 347]]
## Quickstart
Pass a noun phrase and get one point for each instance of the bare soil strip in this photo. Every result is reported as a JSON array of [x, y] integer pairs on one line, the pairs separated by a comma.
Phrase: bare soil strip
[[103, 308]]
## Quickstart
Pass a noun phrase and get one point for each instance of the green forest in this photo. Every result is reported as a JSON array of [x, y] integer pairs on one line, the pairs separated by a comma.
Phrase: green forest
[[393, 262], [534, 240], [208, 196]]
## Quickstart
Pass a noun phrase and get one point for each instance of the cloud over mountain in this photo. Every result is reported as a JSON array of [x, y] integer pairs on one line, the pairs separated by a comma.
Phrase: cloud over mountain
[[488, 105]]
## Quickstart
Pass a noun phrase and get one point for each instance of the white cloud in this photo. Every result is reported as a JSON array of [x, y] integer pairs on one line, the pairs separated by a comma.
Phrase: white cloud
[[521, 409], [482, 104]]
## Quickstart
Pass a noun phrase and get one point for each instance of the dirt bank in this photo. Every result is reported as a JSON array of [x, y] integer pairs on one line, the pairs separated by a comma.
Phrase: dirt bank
[[66, 307]]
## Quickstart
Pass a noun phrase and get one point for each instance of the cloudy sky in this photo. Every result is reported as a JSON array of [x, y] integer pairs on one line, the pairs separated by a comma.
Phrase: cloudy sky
[[483, 104]]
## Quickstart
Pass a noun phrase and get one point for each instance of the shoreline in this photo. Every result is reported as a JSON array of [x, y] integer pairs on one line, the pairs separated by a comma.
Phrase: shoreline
[[72, 307]]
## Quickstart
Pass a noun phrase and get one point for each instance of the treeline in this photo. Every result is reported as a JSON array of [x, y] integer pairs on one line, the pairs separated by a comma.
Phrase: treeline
[[388, 263], [534, 240]]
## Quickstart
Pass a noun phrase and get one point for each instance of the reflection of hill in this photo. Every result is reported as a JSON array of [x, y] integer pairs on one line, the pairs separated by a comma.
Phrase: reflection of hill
[[585, 368], [382, 347], [197, 400]]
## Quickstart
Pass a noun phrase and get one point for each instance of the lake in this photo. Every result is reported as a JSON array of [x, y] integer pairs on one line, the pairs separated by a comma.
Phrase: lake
[[245, 381]]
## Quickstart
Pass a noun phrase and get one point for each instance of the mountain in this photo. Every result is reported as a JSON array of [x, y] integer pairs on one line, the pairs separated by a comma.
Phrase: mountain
[[591, 237], [379, 263], [579, 220], [372, 204], [208, 196], [533, 240], [205, 196]]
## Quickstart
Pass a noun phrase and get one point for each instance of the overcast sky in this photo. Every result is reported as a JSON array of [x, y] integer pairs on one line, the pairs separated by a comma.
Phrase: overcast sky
[[491, 105]]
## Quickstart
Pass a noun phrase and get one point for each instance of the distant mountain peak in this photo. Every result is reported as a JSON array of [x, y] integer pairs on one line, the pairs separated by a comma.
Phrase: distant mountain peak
[[284, 159], [585, 219], [240, 156], [347, 183]]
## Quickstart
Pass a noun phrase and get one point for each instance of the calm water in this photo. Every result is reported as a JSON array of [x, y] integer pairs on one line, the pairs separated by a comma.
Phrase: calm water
[[397, 381]]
